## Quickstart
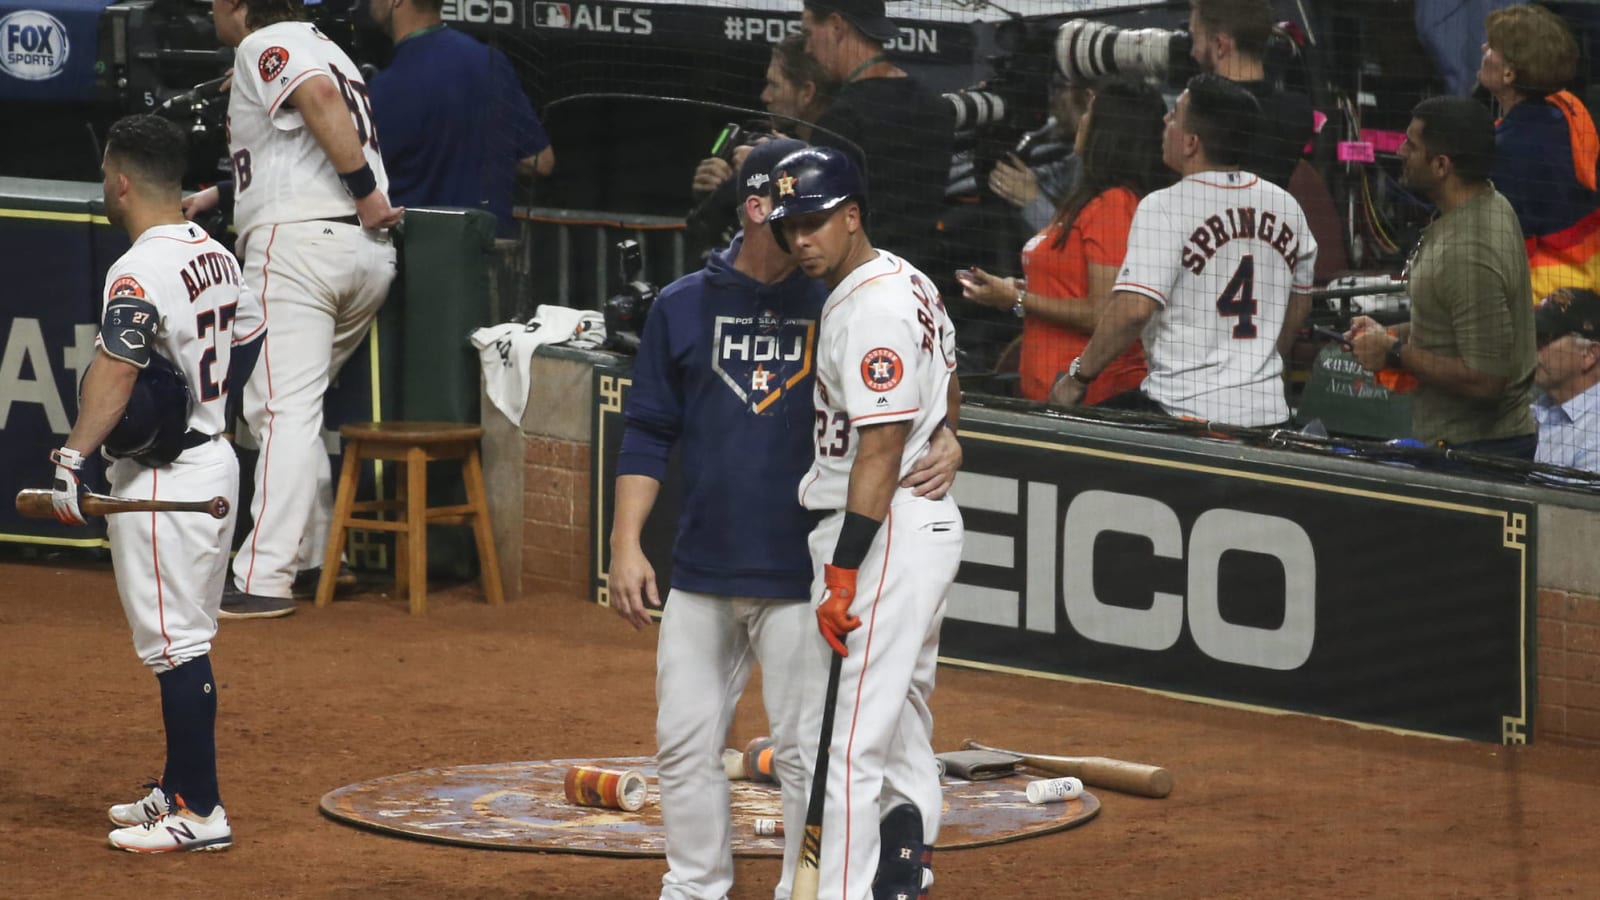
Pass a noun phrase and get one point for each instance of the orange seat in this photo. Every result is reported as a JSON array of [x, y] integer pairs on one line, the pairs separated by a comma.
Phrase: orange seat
[[413, 445]]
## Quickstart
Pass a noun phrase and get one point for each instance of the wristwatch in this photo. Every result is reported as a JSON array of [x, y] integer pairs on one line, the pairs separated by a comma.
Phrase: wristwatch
[[1391, 359], [1075, 372]]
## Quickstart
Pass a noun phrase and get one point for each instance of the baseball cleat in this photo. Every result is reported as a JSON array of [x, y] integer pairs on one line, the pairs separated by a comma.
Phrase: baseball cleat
[[305, 583], [237, 604], [142, 811], [178, 830]]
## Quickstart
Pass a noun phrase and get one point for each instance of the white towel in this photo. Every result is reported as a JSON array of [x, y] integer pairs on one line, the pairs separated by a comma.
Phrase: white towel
[[506, 351]]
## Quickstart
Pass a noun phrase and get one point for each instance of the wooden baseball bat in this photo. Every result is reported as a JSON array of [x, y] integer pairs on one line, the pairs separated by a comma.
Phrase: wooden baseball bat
[[35, 503], [1098, 771], [807, 870]]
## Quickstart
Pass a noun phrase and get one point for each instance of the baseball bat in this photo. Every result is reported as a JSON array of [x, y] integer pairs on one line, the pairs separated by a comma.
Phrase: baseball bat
[[808, 867], [35, 503], [1098, 771]]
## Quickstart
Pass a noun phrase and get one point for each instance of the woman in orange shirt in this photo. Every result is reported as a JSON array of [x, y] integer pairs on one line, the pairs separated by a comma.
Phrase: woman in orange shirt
[[1070, 266]]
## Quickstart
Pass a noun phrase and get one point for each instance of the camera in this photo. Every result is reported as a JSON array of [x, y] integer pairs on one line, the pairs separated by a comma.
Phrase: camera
[[1087, 50], [626, 311]]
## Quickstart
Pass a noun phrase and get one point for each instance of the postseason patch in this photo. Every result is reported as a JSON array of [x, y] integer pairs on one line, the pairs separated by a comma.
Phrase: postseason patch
[[126, 286], [881, 369], [272, 61]]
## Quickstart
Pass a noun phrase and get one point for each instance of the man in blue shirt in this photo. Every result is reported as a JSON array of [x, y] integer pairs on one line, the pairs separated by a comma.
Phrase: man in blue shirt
[[726, 369], [457, 128], [1568, 412]]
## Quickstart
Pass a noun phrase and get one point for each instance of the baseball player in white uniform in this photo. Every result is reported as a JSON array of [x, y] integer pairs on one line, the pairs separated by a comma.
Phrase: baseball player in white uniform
[[174, 308], [884, 557], [1217, 276], [312, 213]]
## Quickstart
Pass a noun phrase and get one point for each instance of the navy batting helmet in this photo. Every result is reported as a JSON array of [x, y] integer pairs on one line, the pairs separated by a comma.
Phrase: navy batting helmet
[[156, 418], [815, 179]]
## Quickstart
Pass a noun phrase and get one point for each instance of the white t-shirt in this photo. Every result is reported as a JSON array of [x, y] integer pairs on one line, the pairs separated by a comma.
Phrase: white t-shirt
[[280, 172], [1220, 252], [885, 353], [201, 305]]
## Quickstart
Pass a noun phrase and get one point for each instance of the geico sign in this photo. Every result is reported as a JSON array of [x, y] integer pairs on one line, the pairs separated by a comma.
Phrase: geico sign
[[1093, 513]]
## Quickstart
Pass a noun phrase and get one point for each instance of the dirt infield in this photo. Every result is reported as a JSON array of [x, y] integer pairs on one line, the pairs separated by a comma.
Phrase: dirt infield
[[1265, 806]]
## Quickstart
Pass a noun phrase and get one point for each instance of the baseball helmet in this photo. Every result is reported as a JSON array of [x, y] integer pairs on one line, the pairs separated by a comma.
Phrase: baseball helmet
[[816, 179], [156, 418]]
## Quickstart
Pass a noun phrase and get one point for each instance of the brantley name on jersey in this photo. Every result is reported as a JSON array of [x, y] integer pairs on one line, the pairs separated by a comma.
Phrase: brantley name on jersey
[[1242, 223]]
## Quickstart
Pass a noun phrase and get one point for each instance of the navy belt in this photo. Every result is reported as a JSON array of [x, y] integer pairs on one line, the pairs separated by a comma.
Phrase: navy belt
[[192, 439], [343, 220]]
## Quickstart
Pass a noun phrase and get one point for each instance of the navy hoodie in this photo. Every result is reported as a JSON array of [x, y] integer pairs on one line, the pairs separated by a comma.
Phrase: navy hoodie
[[726, 366]]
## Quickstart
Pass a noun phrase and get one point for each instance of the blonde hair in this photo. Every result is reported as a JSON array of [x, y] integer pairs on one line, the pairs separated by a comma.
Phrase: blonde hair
[[1537, 44]]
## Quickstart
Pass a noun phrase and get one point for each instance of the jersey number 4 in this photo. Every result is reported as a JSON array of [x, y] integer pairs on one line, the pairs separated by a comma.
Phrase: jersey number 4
[[1239, 298], [360, 106]]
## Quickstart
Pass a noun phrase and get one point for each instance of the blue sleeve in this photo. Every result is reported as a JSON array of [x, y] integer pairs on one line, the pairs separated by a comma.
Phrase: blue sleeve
[[522, 123], [389, 116], [655, 409]]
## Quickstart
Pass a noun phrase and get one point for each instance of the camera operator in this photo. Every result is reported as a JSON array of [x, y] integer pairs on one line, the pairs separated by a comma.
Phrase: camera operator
[[457, 128], [905, 131], [797, 92], [1545, 145], [1037, 189], [1230, 39]]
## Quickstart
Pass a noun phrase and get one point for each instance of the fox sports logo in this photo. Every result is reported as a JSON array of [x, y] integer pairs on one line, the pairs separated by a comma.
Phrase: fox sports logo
[[33, 45]]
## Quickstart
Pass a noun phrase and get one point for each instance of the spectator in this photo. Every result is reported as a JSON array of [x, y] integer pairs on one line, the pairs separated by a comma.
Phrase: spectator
[[1037, 189], [1070, 265], [1568, 372], [900, 133], [797, 92], [457, 128], [1451, 32], [1546, 147], [1216, 277], [1230, 39], [1470, 341]]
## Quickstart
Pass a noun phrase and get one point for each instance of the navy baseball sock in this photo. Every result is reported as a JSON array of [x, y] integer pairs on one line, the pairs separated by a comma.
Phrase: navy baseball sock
[[189, 711]]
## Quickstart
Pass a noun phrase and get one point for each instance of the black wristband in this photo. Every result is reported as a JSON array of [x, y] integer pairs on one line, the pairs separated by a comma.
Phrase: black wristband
[[855, 539], [225, 192], [359, 183]]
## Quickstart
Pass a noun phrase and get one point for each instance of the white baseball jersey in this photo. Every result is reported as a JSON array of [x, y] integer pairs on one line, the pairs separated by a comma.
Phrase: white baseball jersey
[[886, 353], [194, 284], [280, 172], [1220, 252]]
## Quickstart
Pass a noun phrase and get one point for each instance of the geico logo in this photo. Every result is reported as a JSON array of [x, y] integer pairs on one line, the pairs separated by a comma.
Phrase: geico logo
[[499, 12], [1214, 533]]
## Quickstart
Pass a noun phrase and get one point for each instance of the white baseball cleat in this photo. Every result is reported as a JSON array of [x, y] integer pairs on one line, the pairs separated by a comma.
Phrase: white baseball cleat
[[179, 829], [142, 811]]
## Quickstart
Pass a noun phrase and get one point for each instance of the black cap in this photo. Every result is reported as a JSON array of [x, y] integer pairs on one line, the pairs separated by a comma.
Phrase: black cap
[[1568, 311], [866, 15], [754, 175]]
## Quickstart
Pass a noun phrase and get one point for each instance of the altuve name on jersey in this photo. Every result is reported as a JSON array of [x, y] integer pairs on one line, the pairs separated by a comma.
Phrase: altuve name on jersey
[[1239, 223], [208, 269]]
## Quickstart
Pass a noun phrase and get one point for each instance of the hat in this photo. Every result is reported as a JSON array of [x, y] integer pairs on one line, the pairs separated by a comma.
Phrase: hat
[[866, 15], [1568, 311], [754, 175]]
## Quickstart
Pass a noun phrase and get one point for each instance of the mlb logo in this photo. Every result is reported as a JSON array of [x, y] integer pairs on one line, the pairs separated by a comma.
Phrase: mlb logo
[[552, 15]]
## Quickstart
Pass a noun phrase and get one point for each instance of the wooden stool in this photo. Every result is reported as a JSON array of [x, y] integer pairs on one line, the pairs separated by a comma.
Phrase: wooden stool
[[413, 445]]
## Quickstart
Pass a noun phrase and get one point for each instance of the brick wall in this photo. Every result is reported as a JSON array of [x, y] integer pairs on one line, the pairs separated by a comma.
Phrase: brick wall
[[555, 503], [1569, 667]]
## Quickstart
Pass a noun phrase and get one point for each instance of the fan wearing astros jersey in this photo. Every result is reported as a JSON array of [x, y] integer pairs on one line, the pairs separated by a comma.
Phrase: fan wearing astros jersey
[[1217, 276], [310, 201], [174, 309], [883, 556]]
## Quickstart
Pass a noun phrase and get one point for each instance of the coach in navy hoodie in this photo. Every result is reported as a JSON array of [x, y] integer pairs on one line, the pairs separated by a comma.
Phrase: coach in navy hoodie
[[726, 367]]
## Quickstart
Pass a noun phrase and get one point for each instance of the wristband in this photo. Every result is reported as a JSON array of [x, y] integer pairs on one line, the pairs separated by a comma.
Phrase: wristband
[[360, 183], [1393, 359], [952, 426], [855, 539], [67, 458], [225, 193]]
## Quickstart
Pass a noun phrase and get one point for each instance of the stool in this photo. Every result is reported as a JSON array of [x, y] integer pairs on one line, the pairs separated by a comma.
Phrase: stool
[[413, 445]]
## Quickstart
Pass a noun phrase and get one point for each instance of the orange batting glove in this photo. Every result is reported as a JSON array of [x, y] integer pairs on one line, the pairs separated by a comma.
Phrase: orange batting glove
[[833, 616]]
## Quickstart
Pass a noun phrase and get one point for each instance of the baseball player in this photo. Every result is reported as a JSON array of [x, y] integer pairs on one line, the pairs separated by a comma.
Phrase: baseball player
[[725, 369], [884, 556], [154, 397], [310, 206], [1217, 276]]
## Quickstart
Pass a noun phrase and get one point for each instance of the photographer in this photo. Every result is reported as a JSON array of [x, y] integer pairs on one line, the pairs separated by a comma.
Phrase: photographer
[[904, 131], [1036, 190], [1230, 40]]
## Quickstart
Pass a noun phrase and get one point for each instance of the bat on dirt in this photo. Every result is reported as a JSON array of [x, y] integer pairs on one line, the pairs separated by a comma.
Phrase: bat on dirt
[[35, 503], [807, 868], [1098, 771]]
